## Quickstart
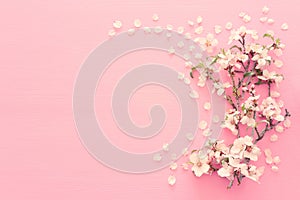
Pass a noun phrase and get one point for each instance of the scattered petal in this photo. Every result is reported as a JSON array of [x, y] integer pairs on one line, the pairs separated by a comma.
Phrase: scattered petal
[[189, 136], [216, 118], [268, 153], [194, 94], [185, 151], [130, 31], [186, 80], [220, 91], [207, 106], [174, 156], [180, 75], [228, 26], [276, 160], [269, 160], [247, 18], [157, 157], [265, 10], [270, 21], [199, 30], [275, 168], [173, 166], [191, 23], [242, 14], [189, 64], [171, 180], [165, 147], [199, 19], [147, 29], [275, 94], [155, 17], [187, 36], [284, 26], [202, 125], [185, 166], [287, 123], [117, 24], [169, 27], [158, 29], [111, 33], [137, 23], [263, 19], [171, 50], [218, 29], [207, 132], [274, 138], [168, 35], [278, 63], [180, 44], [279, 129], [180, 29]]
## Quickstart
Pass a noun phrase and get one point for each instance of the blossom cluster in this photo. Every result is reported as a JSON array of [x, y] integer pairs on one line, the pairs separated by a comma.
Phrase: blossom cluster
[[250, 63], [231, 162]]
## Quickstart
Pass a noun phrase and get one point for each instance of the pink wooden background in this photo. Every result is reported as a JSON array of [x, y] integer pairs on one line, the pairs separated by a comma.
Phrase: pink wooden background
[[42, 45]]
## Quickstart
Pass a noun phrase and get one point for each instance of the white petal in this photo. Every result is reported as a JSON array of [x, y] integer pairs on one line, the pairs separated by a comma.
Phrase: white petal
[[274, 138], [185, 166], [202, 124], [111, 33], [265, 10], [137, 23], [158, 29], [190, 136], [276, 160], [246, 18], [269, 160], [218, 29], [242, 14], [191, 23], [155, 17], [168, 35], [166, 147], [180, 29], [187, 36], [216, 118], [268, 153], [228, 26], [207, 132], [279, 129], [287, 123], [169, 27], [275, 168], [157, 157], [263, 19], [147, 29], [220, 91], [171, 180], [284, 26], [171, 50], [278, 63], [180, 75], [207, 106], [270, 21], [130, 31], [199, 30], [275, 94], [199, 19], [117, 24], [180, 44], [173, 166], [186, 80], [194, 94]]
